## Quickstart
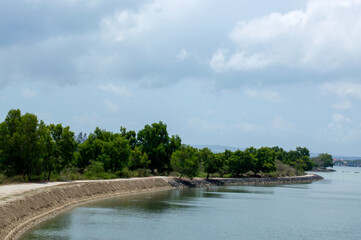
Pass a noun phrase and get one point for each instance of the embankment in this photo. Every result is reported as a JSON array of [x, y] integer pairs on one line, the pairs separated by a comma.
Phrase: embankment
[[243, 181], [32, 207]]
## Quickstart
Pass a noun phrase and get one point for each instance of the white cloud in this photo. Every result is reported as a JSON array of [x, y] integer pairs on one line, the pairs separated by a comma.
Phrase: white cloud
[[127, 23], [238, 61], [280, 124], [209, 112], [122, 25], [264, 94], [341, 129], [202, 125], [343, 105], [183, 55], [28, 93], [339, 118], [248, 127], [222, 128], [323, 37], [110, 106], [121, 91], [342, 89]]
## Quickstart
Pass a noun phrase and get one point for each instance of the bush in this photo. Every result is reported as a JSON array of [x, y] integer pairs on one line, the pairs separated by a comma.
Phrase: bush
[[2, 178], [96, 171], [284, 170], [14, 179], [143, 172], [126, 173]]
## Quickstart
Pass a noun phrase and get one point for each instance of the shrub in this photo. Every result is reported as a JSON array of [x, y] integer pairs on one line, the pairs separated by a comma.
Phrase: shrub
[[95, 170], [285, 170]]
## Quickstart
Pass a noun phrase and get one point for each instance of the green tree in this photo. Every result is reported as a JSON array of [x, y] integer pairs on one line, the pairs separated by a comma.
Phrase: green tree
[[265, 160], [112, 149], [154, 141], [185, 161], [47, 146], [20, 144], [131, 136], [323, 160], [10, 160], [209, 162], [138, 159], [65, 145], [115, 153]]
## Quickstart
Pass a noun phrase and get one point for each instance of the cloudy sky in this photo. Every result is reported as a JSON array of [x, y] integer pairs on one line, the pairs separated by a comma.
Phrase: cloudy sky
[[238, 72]]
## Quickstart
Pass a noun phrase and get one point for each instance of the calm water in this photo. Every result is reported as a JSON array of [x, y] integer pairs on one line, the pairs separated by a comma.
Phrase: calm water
[[329, 209]]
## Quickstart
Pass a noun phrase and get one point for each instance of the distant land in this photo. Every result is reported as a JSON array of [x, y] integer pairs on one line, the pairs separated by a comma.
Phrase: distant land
[[348, 163], [221, 148]]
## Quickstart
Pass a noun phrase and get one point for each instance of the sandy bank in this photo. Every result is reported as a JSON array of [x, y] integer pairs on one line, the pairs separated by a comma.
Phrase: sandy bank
[[23, 206]]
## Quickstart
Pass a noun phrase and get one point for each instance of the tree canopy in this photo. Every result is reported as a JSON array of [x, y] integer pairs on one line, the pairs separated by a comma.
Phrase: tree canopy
[[30, 148]]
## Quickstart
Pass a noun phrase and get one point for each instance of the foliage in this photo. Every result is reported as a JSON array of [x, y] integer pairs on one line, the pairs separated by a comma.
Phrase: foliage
[[30, 148], [210, 163], [138, 159], [299, 158], [323, 160], [111, 149], [185, 161], [284, 170], [155, 142], [265, 160]]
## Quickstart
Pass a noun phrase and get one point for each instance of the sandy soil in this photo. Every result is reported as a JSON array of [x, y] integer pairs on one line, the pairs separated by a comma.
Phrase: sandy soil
[[12, 191]]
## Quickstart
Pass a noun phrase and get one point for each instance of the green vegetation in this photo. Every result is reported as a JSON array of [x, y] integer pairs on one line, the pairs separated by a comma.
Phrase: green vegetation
[[323, 160], [31, 150]]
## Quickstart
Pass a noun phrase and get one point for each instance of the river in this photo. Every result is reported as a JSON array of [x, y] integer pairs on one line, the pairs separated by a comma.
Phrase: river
[[327, 209]]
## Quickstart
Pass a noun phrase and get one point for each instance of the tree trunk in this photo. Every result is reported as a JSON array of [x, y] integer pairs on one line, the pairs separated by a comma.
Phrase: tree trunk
[[29, 177], [207, 175], [49, 175]]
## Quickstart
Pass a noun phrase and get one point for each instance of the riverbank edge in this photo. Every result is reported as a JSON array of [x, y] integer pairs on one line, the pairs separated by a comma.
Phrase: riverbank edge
[[25, 212]]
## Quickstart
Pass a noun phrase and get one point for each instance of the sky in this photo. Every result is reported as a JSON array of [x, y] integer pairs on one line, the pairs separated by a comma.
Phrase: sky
[[237, 73]]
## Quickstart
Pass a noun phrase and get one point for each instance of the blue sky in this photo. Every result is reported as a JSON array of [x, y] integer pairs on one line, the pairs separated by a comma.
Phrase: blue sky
[[239, 73]]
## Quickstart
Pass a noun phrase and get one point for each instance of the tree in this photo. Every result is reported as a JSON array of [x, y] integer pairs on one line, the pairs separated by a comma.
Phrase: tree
[[209, 162], [81, 137], [185, 161], [20, 144], [265, 160], [323, 160], [47, 145], [65, 145], [10, 156], [131, 136], [241, 162], [111, 149], [115, 153], [138, 159], [154, 140], [235, 163]]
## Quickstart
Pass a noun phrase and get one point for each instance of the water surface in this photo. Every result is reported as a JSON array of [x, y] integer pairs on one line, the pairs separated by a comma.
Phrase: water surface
[[328, 209]]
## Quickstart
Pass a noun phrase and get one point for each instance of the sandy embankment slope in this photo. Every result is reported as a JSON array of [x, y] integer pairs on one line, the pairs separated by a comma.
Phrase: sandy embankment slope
[[24, 205]]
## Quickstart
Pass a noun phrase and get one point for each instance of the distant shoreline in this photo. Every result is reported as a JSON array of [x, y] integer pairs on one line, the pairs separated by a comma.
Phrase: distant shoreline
[[30, 207]]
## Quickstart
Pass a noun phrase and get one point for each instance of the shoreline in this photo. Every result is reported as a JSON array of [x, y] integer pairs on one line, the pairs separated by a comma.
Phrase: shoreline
[[28, 208]]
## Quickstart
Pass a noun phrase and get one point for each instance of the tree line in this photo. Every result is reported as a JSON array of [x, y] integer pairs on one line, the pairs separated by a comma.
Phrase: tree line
[[34, 150]]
